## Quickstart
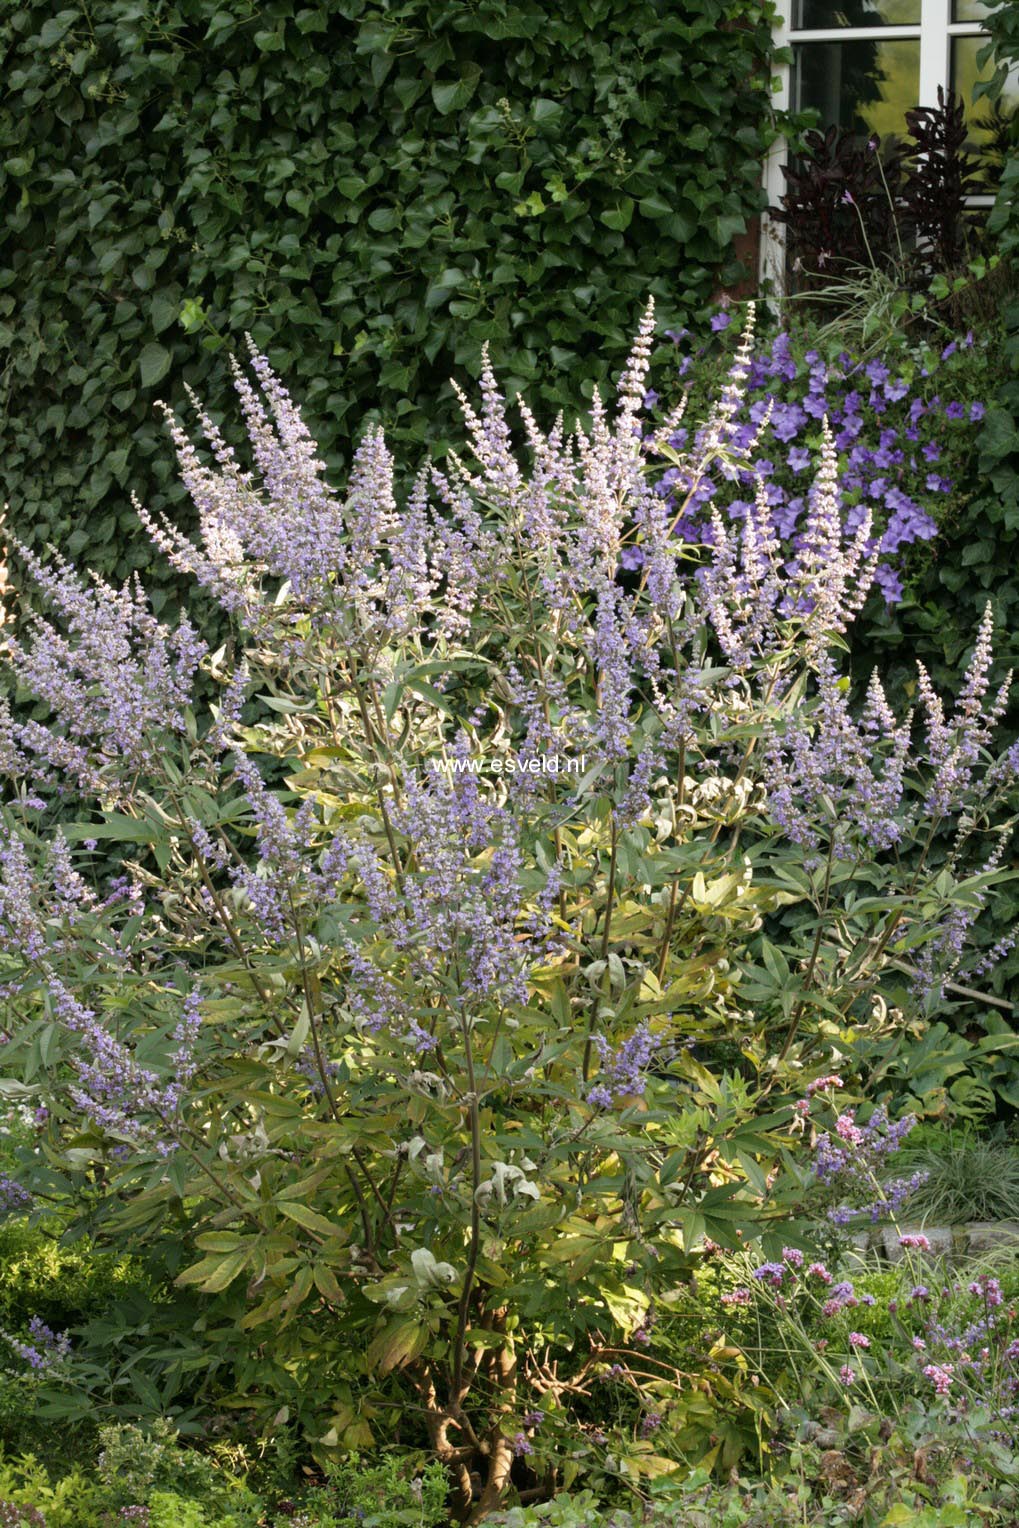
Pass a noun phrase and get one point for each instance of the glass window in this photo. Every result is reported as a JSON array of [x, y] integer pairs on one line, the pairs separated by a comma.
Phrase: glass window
[[864, 85], [815, 14], [972, 10], [988, 120], [810, 14]]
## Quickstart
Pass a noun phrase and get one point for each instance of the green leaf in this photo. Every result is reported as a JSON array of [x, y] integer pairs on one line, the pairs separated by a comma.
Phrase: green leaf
[[327, 1284], [454, 96], [545, 111], [219, 1241], [57, 27], [299, 1033], [656, 207], [620, 216], [164, 310], [310, 1219], [123, 829], [396, 1345], [153, 363], [214, 1273]]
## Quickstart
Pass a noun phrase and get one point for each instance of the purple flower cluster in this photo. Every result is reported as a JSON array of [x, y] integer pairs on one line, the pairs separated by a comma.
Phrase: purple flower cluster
[[887, 430], [41, 904], [853, 1158], [463, 903], [14, 1515], [280, 539], [114, 1092], [43, 1350], [116, 680], [820, 763], [13, 1197], [283, 844], [624, 1069], [458, 915], [862, 783]]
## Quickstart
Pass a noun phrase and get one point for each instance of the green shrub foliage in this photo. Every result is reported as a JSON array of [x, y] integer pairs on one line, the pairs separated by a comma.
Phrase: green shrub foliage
[[372, 191], [1003, 25]]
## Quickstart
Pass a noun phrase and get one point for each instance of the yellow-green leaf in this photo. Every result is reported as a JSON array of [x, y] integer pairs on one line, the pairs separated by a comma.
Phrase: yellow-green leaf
[[396, 1345], [311, 1220], [213, 1274]]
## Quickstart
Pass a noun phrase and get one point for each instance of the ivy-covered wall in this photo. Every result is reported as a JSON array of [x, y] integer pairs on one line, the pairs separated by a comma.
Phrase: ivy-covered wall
[[372, 190]]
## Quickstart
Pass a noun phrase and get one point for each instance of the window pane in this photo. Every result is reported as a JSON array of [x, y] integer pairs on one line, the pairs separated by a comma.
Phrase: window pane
[[858, 13], [988, 120], [972, 10], [867, 86]]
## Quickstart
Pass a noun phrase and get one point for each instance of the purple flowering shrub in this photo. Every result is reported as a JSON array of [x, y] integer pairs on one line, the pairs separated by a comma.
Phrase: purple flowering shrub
[[437, 997]]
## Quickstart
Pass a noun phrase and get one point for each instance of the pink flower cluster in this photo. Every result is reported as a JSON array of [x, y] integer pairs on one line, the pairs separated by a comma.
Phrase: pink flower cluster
[[987, 1289], [741, 1296], [940, 1376]]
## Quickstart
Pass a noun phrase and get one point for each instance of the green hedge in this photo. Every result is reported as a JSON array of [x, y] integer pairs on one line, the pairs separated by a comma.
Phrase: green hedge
[[371, 190]]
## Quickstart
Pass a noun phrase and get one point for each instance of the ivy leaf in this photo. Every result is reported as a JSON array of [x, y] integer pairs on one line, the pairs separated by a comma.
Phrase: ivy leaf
[[454, 95], [57, 27], [154, 363], [620, 216], [164, 310], [545, 111]]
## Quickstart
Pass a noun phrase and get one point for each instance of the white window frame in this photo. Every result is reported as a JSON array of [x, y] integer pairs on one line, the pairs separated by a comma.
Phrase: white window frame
[[935, 31]]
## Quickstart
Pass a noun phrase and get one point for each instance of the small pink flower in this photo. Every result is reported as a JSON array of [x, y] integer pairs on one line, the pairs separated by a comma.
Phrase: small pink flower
[[847, 1375], [940, 1376], [802, 1106], [919, 1344], [792, 1255], [858, 1340], [819, 1271], [918, 1241], [821, 1083], [739, 1296], [847, 1129]]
